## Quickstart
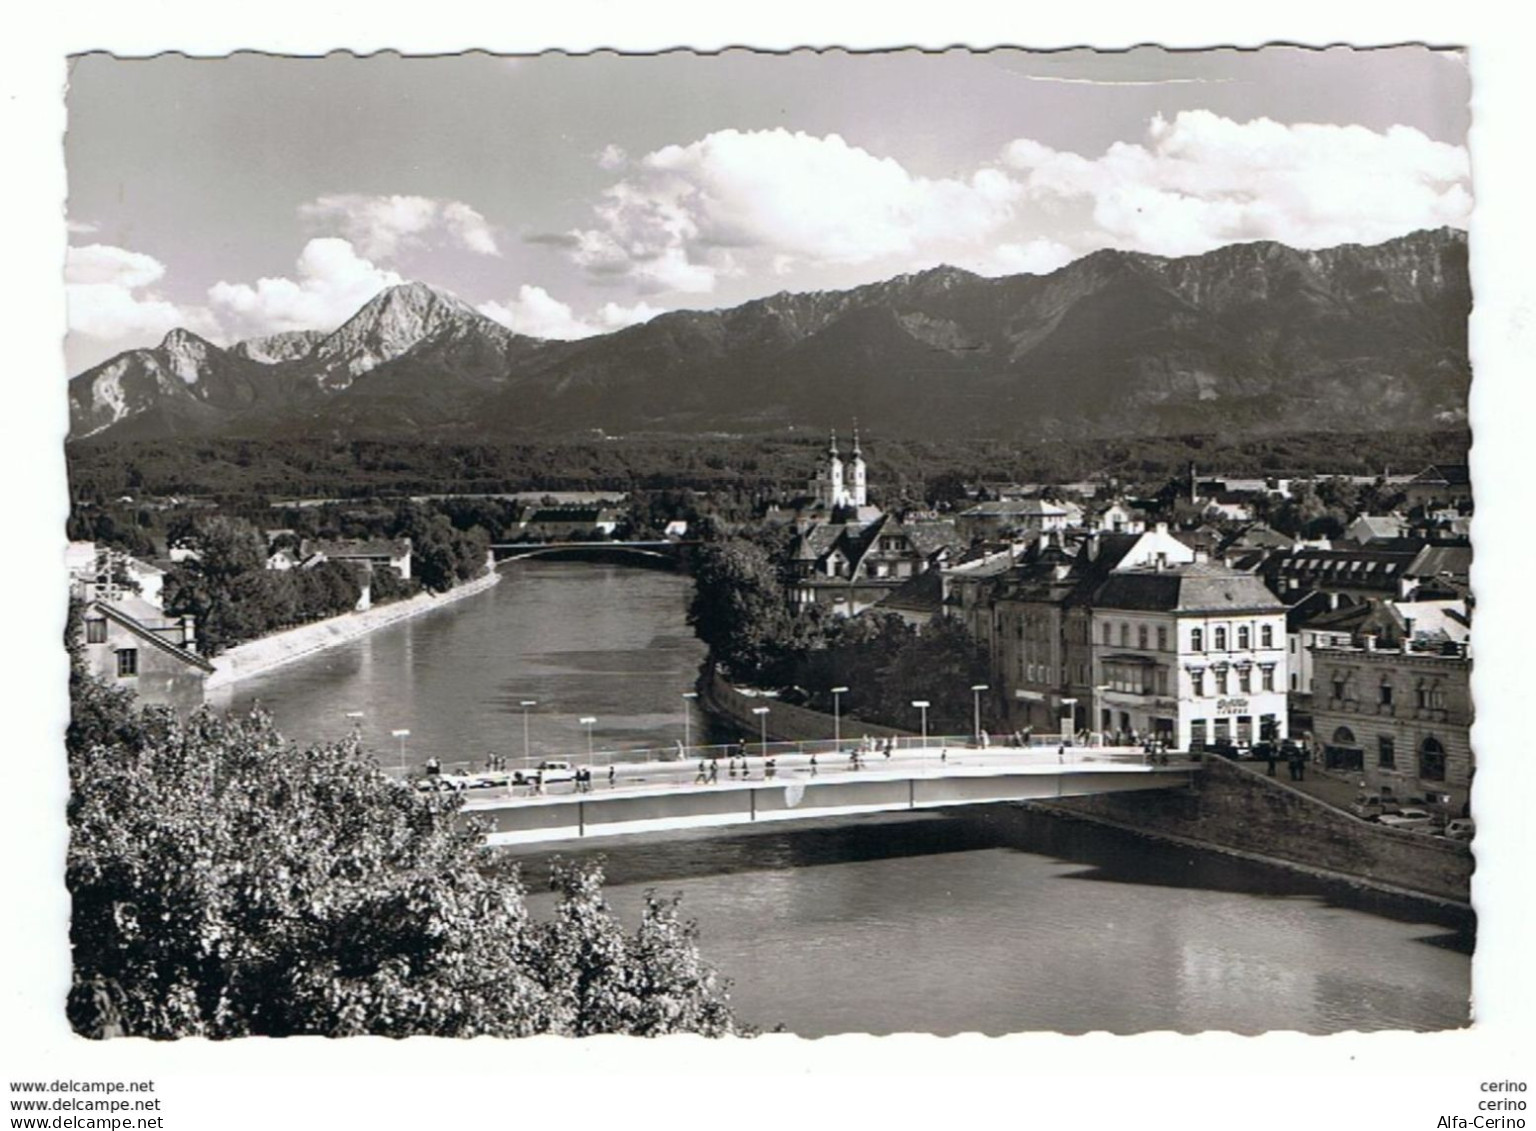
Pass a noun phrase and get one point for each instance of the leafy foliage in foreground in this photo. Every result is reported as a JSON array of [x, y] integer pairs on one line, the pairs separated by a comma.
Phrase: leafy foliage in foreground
[[227, 883]]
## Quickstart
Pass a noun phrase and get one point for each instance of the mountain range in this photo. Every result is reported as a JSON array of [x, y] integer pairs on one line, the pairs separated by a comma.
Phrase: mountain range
[[1247, 339]]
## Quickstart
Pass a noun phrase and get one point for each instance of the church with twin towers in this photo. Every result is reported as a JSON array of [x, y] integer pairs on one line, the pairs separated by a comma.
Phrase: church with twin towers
[[836, 484]]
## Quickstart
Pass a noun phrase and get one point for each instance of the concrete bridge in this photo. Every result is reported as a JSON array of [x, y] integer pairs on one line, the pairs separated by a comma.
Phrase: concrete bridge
[[659, 551], [766, 785]]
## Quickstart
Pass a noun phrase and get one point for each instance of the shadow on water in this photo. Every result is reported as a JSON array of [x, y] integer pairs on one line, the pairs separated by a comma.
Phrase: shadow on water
[[1105, 855]]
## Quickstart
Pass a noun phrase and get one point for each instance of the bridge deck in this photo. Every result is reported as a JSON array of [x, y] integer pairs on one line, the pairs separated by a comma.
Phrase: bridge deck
[[654, 796]]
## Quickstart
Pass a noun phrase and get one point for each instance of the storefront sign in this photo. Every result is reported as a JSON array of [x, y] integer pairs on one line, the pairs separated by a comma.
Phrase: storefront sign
[[1232, 706]]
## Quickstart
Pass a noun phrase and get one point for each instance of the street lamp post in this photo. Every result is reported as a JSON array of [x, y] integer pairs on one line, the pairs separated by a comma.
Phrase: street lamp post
[[762, 720], [837, 716], [588, 721], [402, 735], [923, 705], [976, 690], [1068, 718], [688, 698], [527, 750]]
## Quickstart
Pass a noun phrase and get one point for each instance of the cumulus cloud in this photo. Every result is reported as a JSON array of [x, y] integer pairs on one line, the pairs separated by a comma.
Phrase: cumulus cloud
[[537, 313], [380, 227], [738, 201], [109, 296], [332, 282], [1201, 181], [778, 203]]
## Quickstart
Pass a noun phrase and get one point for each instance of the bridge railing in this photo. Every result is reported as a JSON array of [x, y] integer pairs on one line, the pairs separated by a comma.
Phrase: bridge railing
[[870, 751]]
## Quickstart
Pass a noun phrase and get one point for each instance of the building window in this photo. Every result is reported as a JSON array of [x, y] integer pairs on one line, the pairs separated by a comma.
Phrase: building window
[[1162, 638], [1197, 684], [1106, 632], [1295, 682], [1125, 635], [1162, 681], [1421, 695], [1386, 694], [1386, 752], [1141, 636], [1267, 636], [1197, 734], [1221, 681], [1221, 640], [1197, 640], [96, 631], [1244, 639], [1432, 760], [1267, 677], [127, 662], [1245, 681], [1338, 687]]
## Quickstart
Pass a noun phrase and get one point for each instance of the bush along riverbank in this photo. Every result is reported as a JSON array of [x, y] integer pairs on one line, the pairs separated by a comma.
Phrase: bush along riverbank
[[258, 656]]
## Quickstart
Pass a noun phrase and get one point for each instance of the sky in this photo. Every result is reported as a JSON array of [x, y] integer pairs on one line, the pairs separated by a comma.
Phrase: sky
[[566, 196]]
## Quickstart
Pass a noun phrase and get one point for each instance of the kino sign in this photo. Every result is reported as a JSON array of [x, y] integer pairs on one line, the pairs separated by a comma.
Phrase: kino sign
[[1231, 706]]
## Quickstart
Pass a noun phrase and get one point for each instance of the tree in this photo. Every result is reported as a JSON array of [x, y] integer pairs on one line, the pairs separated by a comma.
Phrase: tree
[[228, 883], [740, 610]]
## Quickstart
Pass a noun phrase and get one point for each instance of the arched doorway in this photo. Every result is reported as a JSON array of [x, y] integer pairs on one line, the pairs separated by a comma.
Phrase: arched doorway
[[1431, 760], [1342, 752]]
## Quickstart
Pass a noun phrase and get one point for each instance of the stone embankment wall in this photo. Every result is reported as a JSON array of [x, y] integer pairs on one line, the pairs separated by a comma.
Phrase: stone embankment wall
[[257, 656], [786, 723], [1233, 809]]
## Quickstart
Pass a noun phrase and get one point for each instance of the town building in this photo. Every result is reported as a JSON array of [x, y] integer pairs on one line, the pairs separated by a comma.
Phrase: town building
[[1398, 714], [1016, 517], [374, 553], [131, 644], [1440, 485], [846, 567], [1192, 653], [568, 522]]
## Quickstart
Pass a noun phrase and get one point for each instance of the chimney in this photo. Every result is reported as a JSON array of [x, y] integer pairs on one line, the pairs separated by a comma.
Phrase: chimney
[[1162, 528], [1333, 602], [1093, 546], [1202, 556], [1369, 641]]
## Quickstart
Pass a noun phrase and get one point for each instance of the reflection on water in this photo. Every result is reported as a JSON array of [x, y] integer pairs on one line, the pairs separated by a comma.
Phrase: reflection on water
[[579, 638], [986, 919], [1000, 920]]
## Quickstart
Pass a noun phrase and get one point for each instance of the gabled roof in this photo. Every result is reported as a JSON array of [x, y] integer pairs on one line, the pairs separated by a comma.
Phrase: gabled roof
[[119, 612], [1437, 561], [1444, 474], [921, 594]]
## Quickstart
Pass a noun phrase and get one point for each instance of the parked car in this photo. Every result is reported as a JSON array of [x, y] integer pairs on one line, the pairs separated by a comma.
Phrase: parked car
[[552, 772], [1370, 806], [1410, 819], [1462, 828]]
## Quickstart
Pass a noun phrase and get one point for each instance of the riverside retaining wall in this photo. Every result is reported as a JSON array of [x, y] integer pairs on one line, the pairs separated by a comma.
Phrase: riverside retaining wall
[[1231, 808], [258, 656], [786, 722]]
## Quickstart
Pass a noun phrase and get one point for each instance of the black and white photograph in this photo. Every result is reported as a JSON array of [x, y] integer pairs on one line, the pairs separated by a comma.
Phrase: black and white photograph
[[769, 545]]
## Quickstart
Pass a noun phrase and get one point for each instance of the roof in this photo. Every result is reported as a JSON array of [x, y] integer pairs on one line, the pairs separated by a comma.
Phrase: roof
[[922, 594], [1436, 561], [1013, 508], [359, 548], [1444, 474], [1196, 587], [121, 611]]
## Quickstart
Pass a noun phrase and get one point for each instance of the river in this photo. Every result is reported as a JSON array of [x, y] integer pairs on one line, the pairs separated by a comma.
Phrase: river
[[989, 919]]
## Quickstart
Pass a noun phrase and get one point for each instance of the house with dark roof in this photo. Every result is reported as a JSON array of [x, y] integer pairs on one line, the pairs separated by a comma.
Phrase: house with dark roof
[[1191, 653], [132, 644], [1444, 485], [371, 552], [847, 567]]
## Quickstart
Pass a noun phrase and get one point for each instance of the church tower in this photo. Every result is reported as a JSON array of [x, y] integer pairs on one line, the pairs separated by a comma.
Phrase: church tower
[[858, 486], [836, 492]]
